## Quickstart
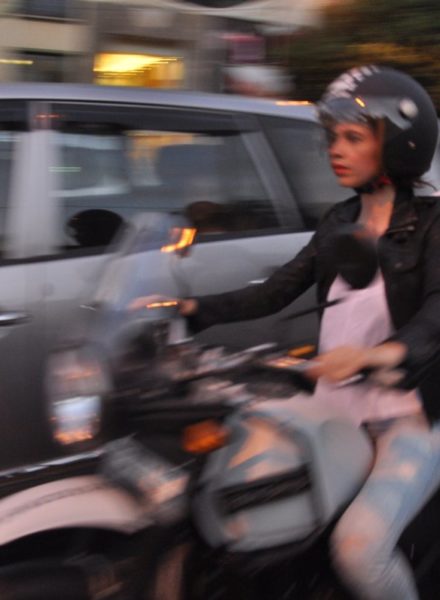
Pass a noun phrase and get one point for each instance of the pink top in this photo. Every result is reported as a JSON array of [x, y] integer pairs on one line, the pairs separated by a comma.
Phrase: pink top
[[362, 319]]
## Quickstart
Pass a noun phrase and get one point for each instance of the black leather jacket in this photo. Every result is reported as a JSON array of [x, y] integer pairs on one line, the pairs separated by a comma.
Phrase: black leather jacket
[[409, 257]]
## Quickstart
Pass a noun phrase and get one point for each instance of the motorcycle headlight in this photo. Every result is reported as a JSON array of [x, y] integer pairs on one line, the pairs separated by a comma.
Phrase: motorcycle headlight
[[77, 383]]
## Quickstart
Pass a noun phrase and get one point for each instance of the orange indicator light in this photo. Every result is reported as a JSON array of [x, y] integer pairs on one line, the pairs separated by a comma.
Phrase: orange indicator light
[[204, 437], [185, 237]]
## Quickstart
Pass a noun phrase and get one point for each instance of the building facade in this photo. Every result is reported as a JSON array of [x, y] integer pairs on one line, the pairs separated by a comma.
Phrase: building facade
[[153, 43]]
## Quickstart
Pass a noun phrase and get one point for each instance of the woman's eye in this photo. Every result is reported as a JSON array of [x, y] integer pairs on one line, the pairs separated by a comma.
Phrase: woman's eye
[[354, 137]]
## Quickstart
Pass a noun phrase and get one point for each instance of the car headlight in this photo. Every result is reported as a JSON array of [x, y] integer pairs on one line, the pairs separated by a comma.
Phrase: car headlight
[[77, 383]]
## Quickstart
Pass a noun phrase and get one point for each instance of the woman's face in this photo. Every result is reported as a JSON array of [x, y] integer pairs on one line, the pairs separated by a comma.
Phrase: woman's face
[[355, 152]]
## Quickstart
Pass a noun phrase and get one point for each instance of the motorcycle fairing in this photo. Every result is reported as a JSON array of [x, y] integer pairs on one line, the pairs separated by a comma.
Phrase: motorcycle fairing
[[310, 460]]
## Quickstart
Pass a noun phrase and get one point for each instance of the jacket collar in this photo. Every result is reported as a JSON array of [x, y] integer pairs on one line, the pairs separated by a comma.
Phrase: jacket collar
[[403, 217]]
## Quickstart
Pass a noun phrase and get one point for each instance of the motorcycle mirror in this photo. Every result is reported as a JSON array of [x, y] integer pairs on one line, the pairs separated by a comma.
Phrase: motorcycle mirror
[[181, 240], [352, 251]]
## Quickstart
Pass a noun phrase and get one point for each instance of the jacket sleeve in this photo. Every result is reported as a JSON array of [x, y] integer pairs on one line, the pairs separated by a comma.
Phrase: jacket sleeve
[[421, 334], [252, 302]]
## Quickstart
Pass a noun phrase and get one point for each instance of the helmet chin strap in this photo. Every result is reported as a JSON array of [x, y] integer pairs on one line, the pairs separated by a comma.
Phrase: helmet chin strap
[[377, 183]]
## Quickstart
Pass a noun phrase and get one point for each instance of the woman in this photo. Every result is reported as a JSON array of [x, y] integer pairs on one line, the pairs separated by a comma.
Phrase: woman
[[382, 132]]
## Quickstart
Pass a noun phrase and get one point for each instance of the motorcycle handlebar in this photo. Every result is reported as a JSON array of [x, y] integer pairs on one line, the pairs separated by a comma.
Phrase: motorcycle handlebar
[[383, 377]]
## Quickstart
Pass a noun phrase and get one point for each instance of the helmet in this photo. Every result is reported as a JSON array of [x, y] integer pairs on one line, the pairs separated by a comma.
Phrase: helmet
[[369, 93]]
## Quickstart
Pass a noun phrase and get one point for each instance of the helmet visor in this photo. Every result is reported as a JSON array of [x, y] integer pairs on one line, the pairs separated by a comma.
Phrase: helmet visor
[[397, 113]]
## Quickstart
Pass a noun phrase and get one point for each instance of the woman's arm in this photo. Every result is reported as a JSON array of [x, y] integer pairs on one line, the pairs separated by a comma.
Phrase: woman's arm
[[346, 361], [252, 302], [279, 290]]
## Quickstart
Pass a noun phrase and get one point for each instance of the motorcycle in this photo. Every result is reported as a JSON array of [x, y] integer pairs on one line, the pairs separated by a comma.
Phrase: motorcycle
[[210, 477]]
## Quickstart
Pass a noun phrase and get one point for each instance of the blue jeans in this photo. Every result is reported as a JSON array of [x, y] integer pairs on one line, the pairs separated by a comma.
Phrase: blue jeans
[[405, 474]]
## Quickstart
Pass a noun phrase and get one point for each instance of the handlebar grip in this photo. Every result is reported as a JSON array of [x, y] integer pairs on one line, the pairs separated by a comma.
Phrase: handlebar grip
[[388, 378]]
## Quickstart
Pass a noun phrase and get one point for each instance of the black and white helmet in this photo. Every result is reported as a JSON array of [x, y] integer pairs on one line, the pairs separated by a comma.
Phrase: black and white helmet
[[370, 93]]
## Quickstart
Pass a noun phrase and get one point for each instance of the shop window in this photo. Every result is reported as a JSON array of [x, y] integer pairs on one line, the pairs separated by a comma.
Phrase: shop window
[[45, 9], [42, 66], [140, 70]]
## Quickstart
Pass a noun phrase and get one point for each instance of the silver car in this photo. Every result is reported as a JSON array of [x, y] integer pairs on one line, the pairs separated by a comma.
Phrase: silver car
[[78, 162]]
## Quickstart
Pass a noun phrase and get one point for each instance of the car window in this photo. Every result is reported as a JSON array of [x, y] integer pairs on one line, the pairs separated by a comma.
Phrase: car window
[[114, 164], [300, 147]]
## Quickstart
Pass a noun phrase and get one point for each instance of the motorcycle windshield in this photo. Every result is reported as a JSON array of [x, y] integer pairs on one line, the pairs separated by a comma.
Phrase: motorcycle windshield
[[137, 293]]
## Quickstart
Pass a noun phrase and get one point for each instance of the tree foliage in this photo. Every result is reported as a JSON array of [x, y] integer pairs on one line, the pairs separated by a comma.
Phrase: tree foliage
[[400, 33]]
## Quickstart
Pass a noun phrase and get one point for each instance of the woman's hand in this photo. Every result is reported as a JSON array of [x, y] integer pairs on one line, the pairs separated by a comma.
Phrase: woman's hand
[[188, 307], [346, 361]]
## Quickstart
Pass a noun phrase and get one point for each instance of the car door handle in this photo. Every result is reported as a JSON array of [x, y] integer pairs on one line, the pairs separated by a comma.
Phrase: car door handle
[[257, 281], [12, 317], [268, 271]]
